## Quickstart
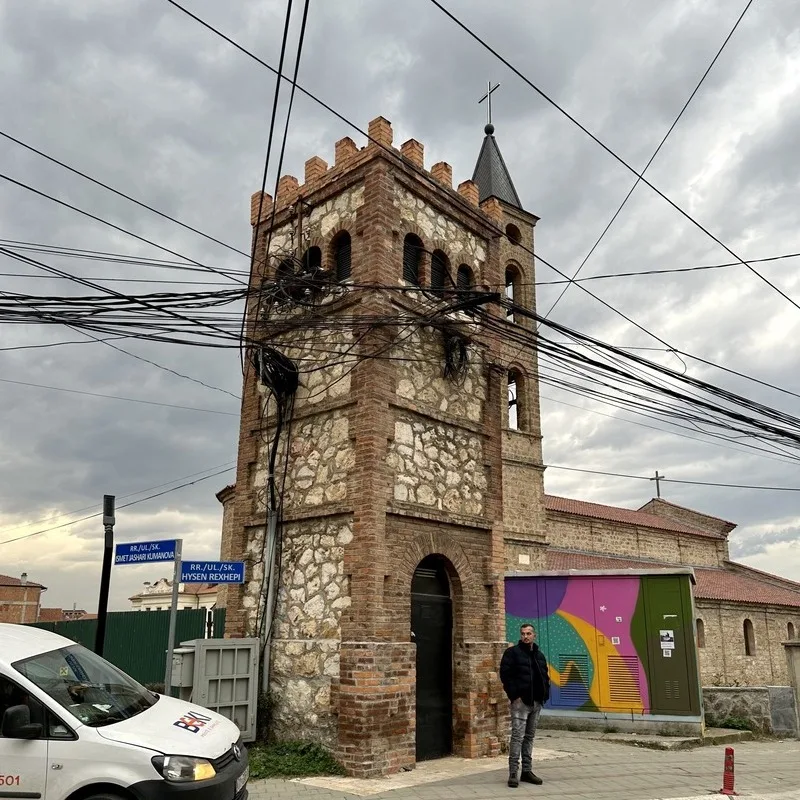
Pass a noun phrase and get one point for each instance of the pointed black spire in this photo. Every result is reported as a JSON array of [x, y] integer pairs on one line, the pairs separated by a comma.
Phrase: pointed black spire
[[491, 174]]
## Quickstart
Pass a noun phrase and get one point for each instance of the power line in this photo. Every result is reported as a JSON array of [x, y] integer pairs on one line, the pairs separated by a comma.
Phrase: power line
[[652, 158], [475, 213], [118, 397], [661, 271], [227, 465], [673, 480], [119, 193], [605, 147], [96, 218], [124, 505]]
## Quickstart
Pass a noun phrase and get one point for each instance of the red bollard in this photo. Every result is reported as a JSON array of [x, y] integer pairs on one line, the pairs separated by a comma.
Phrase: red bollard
[[727, 774]]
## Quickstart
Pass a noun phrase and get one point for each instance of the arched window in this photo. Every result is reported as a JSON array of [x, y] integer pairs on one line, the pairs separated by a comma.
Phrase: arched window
[[341, 255], [513, 295], [513, 234], [701, 633], [464, 278], [749, 639], [439, 269], [412, 258], [312, 260], [515, 397], [790, 631]]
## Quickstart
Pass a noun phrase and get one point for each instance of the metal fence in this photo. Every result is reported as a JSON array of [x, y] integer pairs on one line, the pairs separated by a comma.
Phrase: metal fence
[[136, 641]]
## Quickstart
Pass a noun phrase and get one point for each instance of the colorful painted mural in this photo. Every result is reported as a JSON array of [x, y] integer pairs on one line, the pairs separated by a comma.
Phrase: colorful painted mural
[[601, 636]]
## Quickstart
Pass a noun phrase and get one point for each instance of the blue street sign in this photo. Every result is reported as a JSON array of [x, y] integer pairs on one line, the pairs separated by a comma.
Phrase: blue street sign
[[145, 552], [212, 572]]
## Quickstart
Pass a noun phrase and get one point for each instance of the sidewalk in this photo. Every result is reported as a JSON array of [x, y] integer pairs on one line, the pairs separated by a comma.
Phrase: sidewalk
[[575, 767]]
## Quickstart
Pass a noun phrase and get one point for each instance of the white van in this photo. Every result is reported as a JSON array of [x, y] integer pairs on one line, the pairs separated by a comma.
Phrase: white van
[[73, 726]]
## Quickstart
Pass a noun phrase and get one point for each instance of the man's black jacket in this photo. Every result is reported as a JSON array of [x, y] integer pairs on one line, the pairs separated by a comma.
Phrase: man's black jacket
[[523, 672]]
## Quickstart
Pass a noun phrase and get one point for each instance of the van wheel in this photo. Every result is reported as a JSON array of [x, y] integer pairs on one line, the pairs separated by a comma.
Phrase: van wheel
[[103, 796]]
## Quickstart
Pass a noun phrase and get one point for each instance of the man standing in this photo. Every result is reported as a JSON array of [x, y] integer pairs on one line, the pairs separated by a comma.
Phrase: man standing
[[523, 671]]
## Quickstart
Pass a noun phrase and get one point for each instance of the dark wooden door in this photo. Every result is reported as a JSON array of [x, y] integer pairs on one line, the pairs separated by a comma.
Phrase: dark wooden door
[[432, 626]]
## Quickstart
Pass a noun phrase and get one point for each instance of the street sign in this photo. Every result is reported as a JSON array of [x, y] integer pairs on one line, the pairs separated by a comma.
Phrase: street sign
[[212, 572], [145, 552]]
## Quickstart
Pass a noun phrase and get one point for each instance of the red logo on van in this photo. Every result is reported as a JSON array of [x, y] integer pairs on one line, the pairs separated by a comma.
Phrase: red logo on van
[[192, 721]]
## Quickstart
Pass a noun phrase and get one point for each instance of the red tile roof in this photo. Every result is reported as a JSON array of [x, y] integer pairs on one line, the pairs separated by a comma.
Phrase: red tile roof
[[566, 505], [711, 583], [7, 580], [735, 587]]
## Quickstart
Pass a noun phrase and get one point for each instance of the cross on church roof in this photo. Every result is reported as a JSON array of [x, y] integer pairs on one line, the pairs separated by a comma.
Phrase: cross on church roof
[[489, 129]]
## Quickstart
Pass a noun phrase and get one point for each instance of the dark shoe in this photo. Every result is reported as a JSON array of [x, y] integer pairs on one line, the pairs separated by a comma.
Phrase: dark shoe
[[529, 777], [513, 781]]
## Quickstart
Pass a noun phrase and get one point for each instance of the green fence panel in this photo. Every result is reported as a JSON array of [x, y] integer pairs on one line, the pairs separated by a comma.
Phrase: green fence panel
[[136, 641]]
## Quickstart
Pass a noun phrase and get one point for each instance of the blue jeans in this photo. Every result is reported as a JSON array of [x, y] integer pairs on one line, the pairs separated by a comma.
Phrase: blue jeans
[[523, 729]]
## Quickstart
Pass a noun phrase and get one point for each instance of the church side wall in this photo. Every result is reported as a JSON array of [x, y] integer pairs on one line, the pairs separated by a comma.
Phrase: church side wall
[[723, 661], [608, 538]]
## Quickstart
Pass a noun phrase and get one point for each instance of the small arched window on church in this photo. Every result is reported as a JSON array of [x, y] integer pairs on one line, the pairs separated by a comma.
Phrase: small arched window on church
[[701, 633], [464, 278], [790, 631], [516, 396], [312, 260], [749, 638], [341, 248], [513, 294], [513, 234], [439, 269], [412, 258]]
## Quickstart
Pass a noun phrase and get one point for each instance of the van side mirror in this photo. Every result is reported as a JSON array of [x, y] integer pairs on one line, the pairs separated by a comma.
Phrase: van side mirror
[[17, 724]]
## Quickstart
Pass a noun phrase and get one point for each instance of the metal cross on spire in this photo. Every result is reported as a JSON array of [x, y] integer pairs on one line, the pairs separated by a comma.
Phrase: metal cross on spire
[[488, 97]]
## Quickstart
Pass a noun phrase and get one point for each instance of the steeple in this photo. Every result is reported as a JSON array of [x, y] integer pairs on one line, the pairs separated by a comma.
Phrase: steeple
[[491, 173]]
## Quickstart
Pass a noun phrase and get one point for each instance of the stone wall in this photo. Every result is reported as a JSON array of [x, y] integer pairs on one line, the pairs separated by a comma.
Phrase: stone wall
[[438, 466], [313, 594], [608, 538], [723, 660], [420, 378], [439, 230], [766, 709]]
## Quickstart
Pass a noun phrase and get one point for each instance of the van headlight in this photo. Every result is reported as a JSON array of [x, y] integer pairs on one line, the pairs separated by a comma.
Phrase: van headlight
[[184, 768]]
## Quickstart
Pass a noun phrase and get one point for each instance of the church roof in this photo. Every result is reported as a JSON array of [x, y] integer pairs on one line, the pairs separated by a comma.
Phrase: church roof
[[491, 174], [744, 585], [627, 516]]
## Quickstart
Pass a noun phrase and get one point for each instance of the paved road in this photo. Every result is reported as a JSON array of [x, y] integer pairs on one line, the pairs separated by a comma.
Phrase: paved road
[[576, 768]]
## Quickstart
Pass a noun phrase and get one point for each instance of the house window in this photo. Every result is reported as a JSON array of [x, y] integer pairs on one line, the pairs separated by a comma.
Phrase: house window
[[439, 268], [514, 391], [463, 278], [412, 258], [790, 631], [312, 260], [341, 255], [701, 633], [749, 638], [148, 608]]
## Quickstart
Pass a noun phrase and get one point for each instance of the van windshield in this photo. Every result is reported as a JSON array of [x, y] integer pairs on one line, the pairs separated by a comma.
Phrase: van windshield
[[90, 688]]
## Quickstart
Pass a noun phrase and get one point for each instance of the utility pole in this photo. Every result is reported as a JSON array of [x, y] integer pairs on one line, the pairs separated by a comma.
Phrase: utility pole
[[105, 575], [658, 478]]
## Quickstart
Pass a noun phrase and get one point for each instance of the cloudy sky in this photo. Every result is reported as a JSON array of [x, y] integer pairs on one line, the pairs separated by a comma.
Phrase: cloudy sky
[[137, 95]]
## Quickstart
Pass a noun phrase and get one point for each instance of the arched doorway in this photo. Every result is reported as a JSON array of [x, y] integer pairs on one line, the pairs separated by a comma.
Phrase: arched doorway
[[432, 629]]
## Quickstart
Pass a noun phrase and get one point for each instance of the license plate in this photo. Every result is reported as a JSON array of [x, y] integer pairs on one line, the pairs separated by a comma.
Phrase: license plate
[[242, 780]]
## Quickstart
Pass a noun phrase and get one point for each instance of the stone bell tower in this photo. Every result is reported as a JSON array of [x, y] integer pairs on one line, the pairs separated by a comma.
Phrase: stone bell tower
[[390, 436]]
